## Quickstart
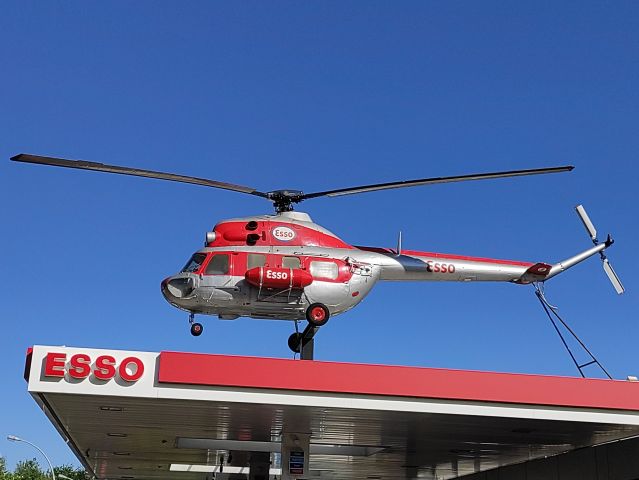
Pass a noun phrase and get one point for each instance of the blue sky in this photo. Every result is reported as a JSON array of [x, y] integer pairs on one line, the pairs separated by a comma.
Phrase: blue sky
[[314, 96]]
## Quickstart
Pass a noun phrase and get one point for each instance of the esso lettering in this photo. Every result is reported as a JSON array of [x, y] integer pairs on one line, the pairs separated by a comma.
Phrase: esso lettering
[[276, 275], [435, 267], [105, 367], [284, 234]]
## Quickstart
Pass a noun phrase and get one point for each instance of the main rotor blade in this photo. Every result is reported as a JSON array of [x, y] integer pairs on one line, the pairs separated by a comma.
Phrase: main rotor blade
[[101, 167], [431, 181]]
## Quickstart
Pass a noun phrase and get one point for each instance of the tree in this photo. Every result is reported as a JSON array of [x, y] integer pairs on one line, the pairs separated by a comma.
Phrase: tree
[[29, 470], [71, 472], [4, 473]]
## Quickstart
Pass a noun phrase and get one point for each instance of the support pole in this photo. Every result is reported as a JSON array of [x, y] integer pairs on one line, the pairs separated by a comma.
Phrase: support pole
[[307, 350], [308, 342], [552, 311]]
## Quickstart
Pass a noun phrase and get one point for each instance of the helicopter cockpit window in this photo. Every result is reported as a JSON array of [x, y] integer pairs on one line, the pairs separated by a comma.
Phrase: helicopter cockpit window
[[218, 265], [290, 262], [326, 270], [194, 263], [255, 260]]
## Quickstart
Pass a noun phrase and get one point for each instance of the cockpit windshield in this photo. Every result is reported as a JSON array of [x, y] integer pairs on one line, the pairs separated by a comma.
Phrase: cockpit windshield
[[194, 263]]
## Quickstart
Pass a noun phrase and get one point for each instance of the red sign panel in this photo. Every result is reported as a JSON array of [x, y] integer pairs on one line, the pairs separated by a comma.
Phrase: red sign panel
[[386, 380]]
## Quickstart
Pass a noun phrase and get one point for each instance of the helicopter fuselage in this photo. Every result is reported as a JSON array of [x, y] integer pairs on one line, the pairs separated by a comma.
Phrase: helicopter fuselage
[[276, 266]]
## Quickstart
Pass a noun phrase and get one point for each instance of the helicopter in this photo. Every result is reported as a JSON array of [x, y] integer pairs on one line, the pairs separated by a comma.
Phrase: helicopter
[[283, 266]]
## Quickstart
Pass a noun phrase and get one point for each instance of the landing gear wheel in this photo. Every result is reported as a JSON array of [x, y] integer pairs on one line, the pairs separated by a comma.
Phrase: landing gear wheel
[[317, 314], [294, 342], [196, 329]]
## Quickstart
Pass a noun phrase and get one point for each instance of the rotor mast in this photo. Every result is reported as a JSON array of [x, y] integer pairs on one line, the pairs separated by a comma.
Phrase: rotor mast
[[283, 200]]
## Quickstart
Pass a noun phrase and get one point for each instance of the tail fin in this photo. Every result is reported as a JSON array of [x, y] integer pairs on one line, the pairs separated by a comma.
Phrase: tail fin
[[536, 273]]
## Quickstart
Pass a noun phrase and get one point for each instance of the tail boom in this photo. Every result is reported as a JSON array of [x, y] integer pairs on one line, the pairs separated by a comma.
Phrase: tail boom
[[429, 266], [572, 261], [410, 265]]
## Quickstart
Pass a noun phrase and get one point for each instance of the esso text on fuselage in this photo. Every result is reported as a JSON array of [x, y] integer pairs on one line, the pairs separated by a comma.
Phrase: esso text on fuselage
[[104, 367], [283, 234], [277, 275]]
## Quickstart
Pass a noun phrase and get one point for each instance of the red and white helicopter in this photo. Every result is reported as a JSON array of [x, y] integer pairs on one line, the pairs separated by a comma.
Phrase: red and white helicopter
[[285, 266]]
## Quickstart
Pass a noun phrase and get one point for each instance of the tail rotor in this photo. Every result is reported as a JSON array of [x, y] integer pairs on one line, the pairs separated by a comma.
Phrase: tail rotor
[[592, 231]]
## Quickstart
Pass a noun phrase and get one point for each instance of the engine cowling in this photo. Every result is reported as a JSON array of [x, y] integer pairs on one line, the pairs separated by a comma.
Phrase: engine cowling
[[269, 277]]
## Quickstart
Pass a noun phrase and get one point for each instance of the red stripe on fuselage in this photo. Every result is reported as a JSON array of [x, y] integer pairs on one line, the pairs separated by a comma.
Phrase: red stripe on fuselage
[[238, 264], [235, 233], [448, 256]]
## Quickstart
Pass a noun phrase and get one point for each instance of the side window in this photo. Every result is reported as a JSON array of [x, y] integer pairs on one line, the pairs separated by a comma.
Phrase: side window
[[255, 260], [324, 270], [218, 265], [290, 262]]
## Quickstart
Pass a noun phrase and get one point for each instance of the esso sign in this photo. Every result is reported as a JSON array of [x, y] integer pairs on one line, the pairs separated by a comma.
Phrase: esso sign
[[283, 234], [81, 365], [278, 277], [277, 274]]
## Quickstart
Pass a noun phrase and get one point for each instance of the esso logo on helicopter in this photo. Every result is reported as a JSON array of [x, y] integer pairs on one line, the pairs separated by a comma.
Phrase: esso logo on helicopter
[[283, 234], [277, 275], [81, 365], [434, 267]]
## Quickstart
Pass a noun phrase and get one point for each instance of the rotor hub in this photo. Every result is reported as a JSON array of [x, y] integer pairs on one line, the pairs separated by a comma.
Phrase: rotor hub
[[283, 200]]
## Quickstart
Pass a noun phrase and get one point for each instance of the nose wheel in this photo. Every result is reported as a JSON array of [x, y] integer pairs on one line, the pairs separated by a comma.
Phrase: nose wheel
[[196, 328]]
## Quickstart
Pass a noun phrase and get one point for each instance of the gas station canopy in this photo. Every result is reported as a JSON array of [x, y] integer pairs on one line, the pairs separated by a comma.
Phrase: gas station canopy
[[184, 416]]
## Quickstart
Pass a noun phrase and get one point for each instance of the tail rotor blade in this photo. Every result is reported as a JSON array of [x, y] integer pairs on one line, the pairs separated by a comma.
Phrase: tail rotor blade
[[614, 279], [585, 219]]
